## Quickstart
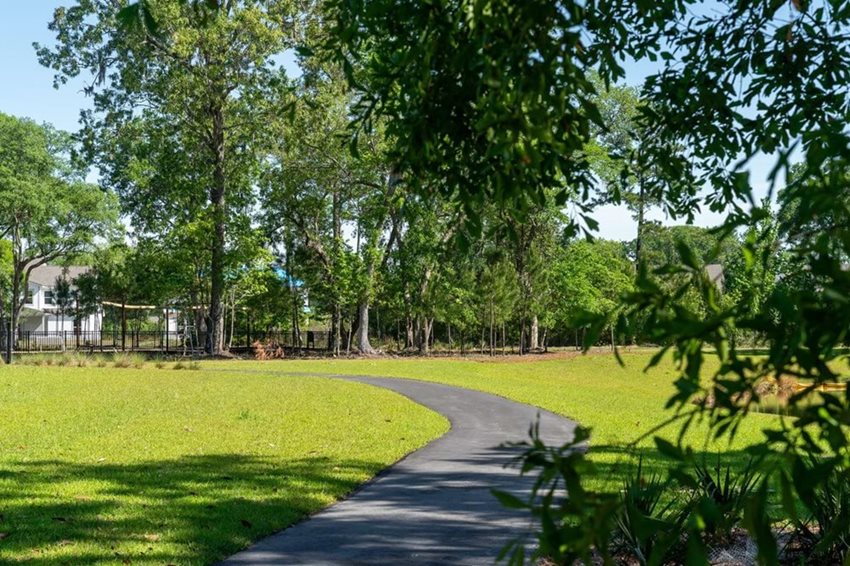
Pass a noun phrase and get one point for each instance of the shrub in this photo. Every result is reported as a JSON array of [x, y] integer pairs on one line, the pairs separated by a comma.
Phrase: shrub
[[572, 528], [722, 497], [824, 536], [650, 520], [72, 360], [160, 364], [125, 360], [179, 365]]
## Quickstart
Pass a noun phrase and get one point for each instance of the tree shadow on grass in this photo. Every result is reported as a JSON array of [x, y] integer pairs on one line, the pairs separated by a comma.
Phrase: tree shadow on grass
[[191, 510], [199, 509]]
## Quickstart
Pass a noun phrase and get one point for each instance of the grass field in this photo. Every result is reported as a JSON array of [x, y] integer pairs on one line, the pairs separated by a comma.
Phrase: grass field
[[619, 403], [156, 466], [148, 466]]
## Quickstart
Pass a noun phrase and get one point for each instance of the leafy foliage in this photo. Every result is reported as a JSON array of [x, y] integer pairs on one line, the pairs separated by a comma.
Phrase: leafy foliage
[[650, 521], [571, 526], [497, 107]]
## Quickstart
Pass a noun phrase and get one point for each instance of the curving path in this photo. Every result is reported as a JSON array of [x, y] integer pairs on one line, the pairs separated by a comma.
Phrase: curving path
[[434, 506]]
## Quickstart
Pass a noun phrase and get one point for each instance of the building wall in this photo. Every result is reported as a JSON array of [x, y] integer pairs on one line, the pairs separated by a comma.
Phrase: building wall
[[50, 320]]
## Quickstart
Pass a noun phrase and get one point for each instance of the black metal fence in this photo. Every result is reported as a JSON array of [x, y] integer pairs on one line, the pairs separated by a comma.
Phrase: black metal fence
[[155, 341]]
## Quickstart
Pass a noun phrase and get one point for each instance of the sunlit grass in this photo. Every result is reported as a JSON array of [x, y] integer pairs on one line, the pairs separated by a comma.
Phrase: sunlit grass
[[100, 465], [149, 466], [620, 404]]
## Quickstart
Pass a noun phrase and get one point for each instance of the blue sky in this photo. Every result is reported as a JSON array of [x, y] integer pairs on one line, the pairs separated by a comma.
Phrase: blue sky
[[27, 90], [27, 87]]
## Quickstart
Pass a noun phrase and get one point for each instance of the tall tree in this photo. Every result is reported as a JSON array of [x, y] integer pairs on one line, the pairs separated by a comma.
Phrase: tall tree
[[495, 101], [616, 157], [332, 202], [186, 88], [46, 210]]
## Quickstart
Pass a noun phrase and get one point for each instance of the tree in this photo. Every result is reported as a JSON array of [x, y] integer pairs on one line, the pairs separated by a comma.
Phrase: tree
[[176, 84], [590, 278], [313, 188], [532, 240], [616, 158], [422, 265], [63, 298], [5, 290], [46, 211], [497, 105]]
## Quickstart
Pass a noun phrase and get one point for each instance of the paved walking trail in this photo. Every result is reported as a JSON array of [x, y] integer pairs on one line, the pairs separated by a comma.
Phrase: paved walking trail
[[433, 507]]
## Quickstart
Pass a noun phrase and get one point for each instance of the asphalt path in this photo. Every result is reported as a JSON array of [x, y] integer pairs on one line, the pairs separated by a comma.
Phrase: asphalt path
[[433, 507]]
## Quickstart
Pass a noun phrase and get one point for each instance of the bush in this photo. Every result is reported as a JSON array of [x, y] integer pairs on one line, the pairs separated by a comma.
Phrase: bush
[[722, 497], [573, 528], [824, 536], [650, 520], [189, 365], [125, 360], [653, 520]]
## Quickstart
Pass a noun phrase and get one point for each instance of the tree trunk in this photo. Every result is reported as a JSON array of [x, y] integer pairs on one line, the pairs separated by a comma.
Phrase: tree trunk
[[336, 329], [363, 345], [483, 331], [409, 339], [492, 330], [504, 340], [219, 218], [425, 336], [348, 344], [522, 337], [640, 220], [335, 338], [534, 337], [232, 322], [14, 312]]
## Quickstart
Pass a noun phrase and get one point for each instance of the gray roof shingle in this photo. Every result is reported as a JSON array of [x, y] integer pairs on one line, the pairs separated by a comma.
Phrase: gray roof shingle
[[45, 275]]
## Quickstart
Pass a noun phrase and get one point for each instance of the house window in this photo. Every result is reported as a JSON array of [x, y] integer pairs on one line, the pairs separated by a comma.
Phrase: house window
[[48, 297], [30, 298]]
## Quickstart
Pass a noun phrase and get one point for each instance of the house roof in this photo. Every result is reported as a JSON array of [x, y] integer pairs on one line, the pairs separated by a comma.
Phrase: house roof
[[714, 272], [45, 275], [716, 275]]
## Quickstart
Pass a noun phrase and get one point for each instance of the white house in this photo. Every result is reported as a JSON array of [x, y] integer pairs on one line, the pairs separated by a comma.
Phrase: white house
[[40, 312], [716, 275]]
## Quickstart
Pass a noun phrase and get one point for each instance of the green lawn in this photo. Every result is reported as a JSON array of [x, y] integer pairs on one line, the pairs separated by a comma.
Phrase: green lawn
[[156, 466], [619, 403], [147, 466]]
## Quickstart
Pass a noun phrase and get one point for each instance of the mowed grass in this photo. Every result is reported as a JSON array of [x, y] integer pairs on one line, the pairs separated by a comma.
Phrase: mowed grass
[[620, 404], [147, 466]]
